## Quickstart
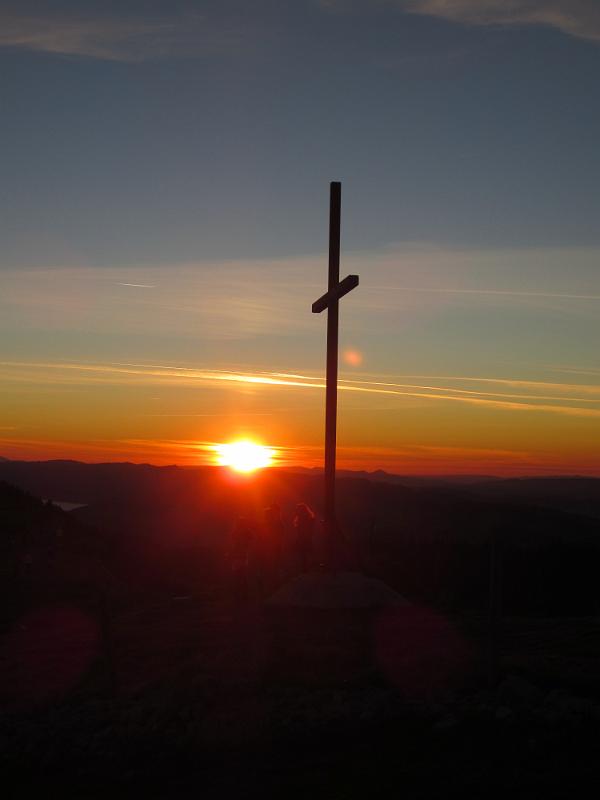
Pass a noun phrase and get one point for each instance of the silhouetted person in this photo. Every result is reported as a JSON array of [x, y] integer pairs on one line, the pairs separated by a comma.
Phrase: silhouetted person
[[270, 549], [303, 541], [240, 546]]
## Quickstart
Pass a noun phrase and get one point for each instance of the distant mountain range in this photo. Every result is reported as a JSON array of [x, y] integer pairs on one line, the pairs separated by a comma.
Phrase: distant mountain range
[[426, 536], [79, 482], [112, 490], [407, 480]]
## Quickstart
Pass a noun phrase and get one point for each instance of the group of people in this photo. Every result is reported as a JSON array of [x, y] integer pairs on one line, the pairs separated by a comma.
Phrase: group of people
[[262, 554]]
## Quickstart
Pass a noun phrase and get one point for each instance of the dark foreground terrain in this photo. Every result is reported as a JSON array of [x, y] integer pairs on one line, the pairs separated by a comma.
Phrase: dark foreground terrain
[[127, 669], [192, 708]]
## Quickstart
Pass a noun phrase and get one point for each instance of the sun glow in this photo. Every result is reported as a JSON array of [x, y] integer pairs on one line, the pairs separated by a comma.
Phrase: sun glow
[[244, 456]]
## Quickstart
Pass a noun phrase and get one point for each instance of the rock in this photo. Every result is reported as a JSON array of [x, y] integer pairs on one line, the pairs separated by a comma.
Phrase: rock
[[575, 706], [569, 707], [553, 698], [550, 716], [445, 723], [515, 691]]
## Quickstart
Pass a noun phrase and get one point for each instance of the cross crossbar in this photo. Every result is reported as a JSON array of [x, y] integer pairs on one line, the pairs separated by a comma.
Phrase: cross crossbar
[[350, 282]]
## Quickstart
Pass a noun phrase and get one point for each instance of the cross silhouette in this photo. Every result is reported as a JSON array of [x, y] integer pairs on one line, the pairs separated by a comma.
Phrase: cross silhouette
[[336, 289]]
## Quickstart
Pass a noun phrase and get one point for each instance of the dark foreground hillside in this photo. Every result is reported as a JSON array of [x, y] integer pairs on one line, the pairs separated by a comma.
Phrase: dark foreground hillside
[[128, 668], [195, 712]]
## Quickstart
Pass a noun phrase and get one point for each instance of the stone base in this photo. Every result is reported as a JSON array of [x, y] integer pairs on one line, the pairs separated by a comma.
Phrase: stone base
[[335, 590], [321, 626]]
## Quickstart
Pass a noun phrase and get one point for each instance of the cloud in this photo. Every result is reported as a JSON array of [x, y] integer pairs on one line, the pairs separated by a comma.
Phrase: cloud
[[139, 285], [67, 373], [506, 292], [117, 38], [238, 300], [579, 18], [138, 38], [210, 301]]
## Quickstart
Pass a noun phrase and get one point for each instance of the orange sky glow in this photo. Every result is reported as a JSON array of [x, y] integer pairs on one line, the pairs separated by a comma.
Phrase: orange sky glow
[[165, 232], [165, 414]]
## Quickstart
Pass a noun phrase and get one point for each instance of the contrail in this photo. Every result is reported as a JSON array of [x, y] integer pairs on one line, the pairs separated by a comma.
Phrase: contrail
[[540, 385], [246, 414], [400, 390], [139, 285], [507, 292]]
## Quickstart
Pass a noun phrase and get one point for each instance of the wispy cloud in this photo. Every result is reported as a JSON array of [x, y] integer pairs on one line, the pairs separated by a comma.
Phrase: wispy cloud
[[139, 285], [594, 371], [568, 403], [568, 388], [209, 300], [111, 36], [492, 292], [217, 416], [97, 450], [579, 18], [238, 300], [409, 459], [118, 38]]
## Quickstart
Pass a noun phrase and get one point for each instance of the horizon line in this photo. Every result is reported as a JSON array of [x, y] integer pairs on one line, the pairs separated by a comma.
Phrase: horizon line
[[292, 468]]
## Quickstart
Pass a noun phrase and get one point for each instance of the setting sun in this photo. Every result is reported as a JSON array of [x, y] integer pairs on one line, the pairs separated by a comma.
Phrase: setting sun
[[244, 456]]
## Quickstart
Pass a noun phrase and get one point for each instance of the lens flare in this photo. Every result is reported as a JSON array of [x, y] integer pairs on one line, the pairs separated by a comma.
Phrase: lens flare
[[352, 357], [244, 456]]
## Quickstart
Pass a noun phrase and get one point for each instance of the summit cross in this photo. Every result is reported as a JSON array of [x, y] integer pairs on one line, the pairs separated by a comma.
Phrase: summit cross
[[336, 289]]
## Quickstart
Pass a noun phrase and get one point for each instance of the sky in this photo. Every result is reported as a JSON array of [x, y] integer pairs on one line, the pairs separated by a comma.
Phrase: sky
[[163, 217]]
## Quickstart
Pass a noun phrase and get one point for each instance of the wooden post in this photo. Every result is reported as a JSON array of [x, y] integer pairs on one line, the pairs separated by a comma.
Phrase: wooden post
[[335, 198], [336, 289]]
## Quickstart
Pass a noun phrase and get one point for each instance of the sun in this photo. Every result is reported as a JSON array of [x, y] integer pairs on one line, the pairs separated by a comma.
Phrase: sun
[[244, 456]]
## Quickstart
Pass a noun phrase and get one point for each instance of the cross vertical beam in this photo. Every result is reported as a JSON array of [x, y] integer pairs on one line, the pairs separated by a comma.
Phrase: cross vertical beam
[[335, 204], [336, 289]]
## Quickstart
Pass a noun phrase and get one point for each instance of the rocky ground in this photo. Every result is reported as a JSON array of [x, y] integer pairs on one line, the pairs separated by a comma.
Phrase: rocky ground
[[188, 704]]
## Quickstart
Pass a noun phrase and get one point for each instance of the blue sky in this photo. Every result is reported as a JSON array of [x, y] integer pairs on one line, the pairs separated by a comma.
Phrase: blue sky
[[186, 148], [215, 138]]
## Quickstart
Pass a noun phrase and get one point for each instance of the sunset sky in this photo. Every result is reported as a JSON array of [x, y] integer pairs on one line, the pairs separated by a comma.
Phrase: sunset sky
[[163, 217]]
